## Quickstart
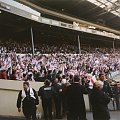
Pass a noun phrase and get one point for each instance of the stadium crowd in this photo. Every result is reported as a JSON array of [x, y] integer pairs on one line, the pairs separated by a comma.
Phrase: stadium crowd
[[42, 66], [46, 47], [52, 60]]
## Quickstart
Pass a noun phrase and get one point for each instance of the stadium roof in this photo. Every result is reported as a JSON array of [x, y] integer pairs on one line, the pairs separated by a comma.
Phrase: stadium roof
[[18, 28], [104, 12], [112, 6]]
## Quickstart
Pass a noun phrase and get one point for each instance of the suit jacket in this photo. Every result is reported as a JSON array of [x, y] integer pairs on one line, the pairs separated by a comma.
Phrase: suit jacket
[[107, 89], [74, 99], [99, 105]]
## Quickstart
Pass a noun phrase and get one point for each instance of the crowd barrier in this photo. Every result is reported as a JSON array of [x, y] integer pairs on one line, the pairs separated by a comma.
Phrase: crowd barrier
[[9, 90]]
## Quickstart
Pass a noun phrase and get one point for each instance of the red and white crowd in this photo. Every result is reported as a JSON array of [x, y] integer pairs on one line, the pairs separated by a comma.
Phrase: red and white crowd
[[41, 66]]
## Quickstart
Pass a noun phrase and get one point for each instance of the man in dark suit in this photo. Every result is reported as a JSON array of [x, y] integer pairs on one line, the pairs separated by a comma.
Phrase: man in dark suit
[[75, 101], [106, 86], [100, 101]]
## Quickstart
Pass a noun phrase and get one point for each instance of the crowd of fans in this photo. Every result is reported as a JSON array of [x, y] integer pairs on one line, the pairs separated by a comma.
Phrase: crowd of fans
[[51, 61], [42, 66], [10, 45], [24, 47]]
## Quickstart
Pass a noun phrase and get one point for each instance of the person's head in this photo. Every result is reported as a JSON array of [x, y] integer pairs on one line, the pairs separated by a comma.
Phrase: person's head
[[98, 85], [76, 78], [102, 77], [24, 75], [71, 76], [89, 76], [49, 71], [63, 76], [59, 72], [25, 85], [47, 82], [29, 77], [56, 80]]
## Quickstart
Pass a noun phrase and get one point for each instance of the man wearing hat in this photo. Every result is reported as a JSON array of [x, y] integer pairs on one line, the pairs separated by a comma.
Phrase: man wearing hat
[[29, 99]]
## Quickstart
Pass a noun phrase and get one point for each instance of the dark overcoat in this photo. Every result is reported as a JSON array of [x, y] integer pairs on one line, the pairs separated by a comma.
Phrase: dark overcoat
[[100, 101], [75, 101]]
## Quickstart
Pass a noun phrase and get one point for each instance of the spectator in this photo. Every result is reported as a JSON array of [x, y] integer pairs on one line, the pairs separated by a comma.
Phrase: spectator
[[13, 75], [106, 86]]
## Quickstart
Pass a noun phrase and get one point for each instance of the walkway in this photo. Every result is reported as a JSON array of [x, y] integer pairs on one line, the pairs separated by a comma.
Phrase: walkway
[[115, 115]]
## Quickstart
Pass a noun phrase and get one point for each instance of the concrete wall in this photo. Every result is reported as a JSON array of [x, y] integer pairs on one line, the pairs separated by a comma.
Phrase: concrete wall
[[9, 90], [8, 96]]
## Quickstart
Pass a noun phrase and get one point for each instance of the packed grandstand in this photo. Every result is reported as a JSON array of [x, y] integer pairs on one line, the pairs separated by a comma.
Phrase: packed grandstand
[[53, 60], [56, 51]]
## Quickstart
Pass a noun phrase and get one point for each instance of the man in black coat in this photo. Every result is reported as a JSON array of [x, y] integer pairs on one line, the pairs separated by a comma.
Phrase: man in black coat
[[100, 101], [29, 99], [75, 101], [106, 86]]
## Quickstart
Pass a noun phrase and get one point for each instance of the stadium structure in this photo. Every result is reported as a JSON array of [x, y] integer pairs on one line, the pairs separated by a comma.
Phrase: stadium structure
[[86, 24], [89, 23]]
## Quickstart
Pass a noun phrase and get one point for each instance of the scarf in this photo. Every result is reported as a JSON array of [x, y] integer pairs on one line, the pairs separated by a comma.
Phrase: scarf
[[24, 94]]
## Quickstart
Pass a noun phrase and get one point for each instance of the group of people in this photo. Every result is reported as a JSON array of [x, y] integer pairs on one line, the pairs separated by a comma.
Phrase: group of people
[[39, 67], [68, 99], [67, 76]]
